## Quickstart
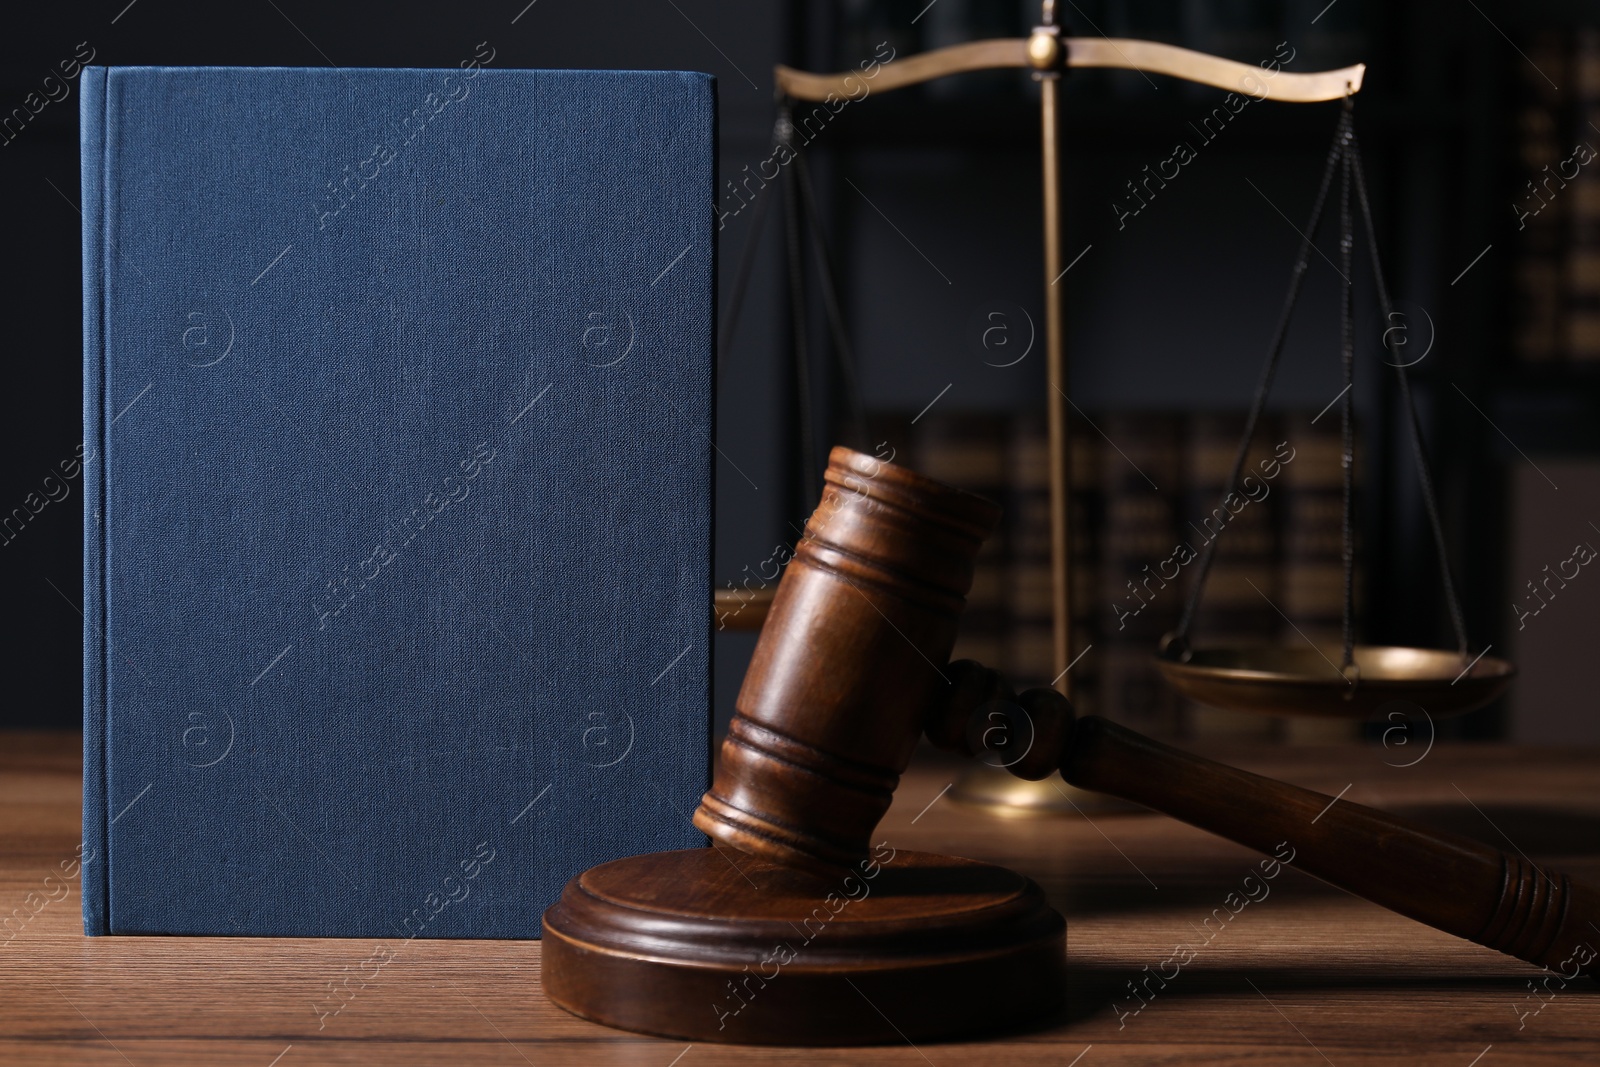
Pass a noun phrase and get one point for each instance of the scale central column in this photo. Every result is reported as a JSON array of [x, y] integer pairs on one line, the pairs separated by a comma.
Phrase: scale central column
[[1055, 330], [988, 785]]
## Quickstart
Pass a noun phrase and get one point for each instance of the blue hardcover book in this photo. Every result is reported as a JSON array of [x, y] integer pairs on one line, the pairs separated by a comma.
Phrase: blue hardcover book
[[397, 447]]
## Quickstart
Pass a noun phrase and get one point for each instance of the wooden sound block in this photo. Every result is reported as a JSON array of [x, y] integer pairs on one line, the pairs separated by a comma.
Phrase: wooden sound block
[[716, 945]]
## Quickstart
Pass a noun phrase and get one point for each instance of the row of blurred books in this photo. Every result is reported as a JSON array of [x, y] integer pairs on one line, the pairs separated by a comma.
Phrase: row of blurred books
[[1147, 495], [1556, 200]]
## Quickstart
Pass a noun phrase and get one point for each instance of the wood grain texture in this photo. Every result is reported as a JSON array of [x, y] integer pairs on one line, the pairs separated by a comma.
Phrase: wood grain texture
[[1492, 896], [1306, 975], [846, 666], [717, 945]]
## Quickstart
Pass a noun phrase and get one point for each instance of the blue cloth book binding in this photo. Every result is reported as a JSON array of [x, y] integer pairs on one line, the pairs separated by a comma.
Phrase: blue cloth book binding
[[398, 414]]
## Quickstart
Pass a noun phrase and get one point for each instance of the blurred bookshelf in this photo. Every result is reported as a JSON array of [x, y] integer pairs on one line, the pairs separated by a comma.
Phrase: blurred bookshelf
[[933, 195]]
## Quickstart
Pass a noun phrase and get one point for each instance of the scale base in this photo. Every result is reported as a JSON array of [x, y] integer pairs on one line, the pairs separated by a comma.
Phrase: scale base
[[996, 791], [714, 945]]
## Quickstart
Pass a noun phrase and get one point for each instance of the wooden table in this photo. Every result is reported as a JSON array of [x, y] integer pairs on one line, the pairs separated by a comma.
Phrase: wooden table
[[1307, 975]]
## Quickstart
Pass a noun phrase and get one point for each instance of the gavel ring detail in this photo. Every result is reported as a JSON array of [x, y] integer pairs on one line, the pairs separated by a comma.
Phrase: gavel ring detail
[[852, 666]]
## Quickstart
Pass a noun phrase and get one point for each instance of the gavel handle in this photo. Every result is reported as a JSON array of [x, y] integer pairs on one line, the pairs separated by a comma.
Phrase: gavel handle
[[1461, 886]]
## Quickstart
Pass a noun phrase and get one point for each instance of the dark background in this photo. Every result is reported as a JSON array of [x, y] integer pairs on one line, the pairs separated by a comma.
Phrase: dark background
[[932, 198]]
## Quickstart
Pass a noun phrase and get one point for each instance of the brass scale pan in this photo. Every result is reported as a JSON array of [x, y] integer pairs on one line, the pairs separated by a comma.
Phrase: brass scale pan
[[1304, 680], [1299, 681]]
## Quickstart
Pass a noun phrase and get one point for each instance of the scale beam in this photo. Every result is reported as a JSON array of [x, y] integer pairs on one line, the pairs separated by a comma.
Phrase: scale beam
[[1048, 52]]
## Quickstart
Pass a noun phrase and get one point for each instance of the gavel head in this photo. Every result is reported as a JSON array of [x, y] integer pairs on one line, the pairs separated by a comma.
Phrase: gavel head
[[853, 655]]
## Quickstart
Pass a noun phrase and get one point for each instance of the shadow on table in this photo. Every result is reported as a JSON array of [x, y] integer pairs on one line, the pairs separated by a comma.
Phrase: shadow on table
[[1092, 988]]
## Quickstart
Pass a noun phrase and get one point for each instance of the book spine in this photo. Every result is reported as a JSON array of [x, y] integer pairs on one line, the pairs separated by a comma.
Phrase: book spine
[[968, 450], [1583, 252], [1540, 207], [1141, 475], [1238, 607], [1312, 491], [1313, 506], [94, 869], [708, 457], [1086, 519], [1030, 651]]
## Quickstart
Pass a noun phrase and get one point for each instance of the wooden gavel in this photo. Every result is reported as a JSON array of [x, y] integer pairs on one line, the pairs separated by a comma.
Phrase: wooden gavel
[[852, 666]]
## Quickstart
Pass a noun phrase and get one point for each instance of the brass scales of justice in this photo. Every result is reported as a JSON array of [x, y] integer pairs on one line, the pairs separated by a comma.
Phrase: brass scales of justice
[[1261, 679], [796, 929]]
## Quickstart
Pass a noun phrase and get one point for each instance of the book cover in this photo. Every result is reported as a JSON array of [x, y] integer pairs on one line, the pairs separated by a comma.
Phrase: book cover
[[398, 396]]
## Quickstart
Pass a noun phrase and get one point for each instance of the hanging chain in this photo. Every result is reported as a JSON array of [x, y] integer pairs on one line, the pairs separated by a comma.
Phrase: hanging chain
[[800, 209], [1346, 153], [1347, 346], [1419, 451], [797, 316], [746, 267], [844, 355], [1177, 640]]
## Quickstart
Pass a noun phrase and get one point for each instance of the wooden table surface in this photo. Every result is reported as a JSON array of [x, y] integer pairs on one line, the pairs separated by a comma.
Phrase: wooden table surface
[[1305, 975]]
